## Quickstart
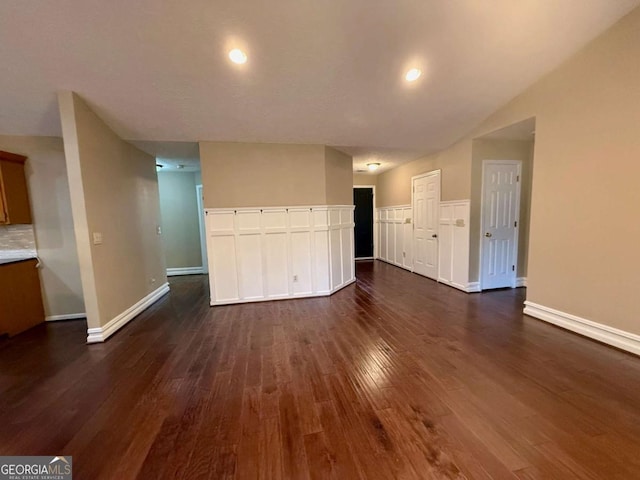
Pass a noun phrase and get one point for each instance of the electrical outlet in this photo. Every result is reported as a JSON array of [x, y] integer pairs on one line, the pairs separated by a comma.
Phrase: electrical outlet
[[152, 281], [97, 238], [295, 278], [159, 230]]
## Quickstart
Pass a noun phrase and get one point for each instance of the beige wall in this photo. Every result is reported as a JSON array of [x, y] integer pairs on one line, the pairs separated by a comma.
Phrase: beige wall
[[260, 174], [271, 175], [394, 186], [53, 224], [179, 213], [338, 177], [584, 237], [490, 149], [364, 179], [114, 190]]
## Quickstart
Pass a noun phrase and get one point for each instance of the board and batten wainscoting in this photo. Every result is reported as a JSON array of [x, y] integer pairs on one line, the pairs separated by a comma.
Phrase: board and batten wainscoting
[[395, 241], [395, 235], [261, 254], [453, 252]]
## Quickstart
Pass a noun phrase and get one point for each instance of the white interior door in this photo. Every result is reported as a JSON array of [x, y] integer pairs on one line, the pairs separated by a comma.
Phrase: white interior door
[[426, 206], [500, 209]]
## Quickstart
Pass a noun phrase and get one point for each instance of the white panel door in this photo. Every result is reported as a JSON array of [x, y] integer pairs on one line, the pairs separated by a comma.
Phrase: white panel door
[[500, 208], [426, 204]]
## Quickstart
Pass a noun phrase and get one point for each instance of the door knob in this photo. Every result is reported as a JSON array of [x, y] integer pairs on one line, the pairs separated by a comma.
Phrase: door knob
[[435, 235], [488, 235]]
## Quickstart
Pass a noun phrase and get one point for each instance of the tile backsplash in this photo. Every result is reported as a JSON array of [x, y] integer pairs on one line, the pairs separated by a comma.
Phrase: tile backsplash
[[17, 241]]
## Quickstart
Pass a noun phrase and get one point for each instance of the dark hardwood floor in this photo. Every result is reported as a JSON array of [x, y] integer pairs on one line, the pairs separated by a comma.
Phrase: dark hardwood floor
[[393, 377]]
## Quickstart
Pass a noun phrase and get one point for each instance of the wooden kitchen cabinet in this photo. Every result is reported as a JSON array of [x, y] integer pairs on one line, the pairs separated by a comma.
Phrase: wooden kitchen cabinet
[[14, 196], [20, 297]]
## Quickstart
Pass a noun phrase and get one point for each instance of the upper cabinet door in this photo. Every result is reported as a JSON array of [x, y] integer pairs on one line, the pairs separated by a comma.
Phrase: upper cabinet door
[[14, 196]]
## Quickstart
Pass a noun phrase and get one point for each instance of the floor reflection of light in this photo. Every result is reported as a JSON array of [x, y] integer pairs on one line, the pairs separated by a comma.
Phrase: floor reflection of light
[[376, 366]]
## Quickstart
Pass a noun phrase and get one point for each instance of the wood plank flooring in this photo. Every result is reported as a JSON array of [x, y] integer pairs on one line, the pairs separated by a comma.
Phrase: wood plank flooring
[[392, 377]]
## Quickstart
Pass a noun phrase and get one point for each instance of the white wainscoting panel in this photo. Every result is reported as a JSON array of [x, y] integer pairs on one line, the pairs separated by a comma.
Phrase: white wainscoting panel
[[258, 254], [395, 235], [454, 244]]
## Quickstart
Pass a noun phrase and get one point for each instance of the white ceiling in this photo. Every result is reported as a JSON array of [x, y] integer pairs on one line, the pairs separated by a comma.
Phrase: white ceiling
[[386, 157], [319, 71]]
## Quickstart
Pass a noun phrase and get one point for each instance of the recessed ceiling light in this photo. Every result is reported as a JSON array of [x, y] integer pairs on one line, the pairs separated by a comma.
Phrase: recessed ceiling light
[[373, 166], [412, 75], [238, 56]]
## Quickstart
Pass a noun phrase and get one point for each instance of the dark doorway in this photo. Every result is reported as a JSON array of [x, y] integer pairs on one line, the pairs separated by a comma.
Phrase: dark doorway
[[363, 217]]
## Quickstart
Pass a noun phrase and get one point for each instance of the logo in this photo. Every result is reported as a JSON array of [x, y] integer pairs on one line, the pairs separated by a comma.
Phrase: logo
[[36, 468]]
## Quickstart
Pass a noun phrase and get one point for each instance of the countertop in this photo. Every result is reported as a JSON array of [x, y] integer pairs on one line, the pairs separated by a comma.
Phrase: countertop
[[4, 261]]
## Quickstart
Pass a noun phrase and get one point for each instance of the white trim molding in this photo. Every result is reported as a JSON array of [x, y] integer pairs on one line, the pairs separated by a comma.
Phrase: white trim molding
[[66, 316], [454, 285], [172, 272], [473, 287], [603, 333], [100, 334], [521, 282]]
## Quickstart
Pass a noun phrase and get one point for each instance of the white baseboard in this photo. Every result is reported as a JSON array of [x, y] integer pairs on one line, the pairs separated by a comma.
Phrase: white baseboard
[[171, 272], [464, 288], [521, 282], [273, 299], [603, 333], [66, 316], [100, 334], [473, 287], [399, 265]]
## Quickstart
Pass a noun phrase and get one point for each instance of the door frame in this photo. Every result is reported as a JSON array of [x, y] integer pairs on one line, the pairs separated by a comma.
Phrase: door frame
[[413, 219], [203, 231], [375, 222], [516, 252]]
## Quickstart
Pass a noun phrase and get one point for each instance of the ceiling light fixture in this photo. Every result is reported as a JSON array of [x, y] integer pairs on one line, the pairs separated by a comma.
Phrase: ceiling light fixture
[[373, 166], [412, 75], [238, 56]]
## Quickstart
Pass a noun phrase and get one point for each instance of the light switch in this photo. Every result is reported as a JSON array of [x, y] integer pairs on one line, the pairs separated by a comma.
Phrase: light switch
[[97, 238]]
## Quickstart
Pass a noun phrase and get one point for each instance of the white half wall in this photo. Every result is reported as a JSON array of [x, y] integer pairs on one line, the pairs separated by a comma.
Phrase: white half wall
[[260, 254], [453, 253], [395, 235]]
